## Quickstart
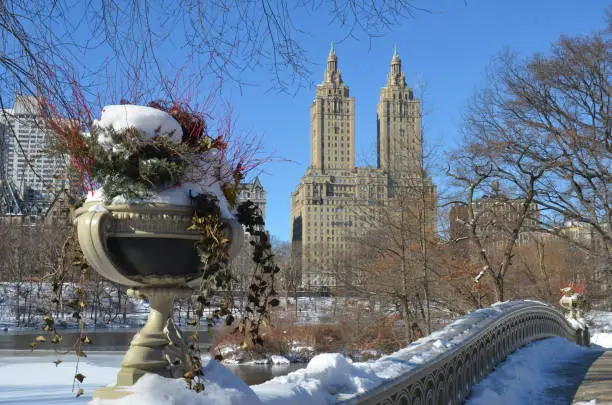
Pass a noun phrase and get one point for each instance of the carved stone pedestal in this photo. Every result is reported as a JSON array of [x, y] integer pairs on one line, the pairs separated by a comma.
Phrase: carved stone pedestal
[[158, 348]]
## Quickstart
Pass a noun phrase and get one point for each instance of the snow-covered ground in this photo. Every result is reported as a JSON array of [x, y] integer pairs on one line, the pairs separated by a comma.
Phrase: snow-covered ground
[[600, 324], [532, 375], [35, 303], [316, 310]]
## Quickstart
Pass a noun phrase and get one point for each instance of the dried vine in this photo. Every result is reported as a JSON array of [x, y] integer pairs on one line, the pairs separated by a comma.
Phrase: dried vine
[[214, 258], [262, 289], [71, 256]]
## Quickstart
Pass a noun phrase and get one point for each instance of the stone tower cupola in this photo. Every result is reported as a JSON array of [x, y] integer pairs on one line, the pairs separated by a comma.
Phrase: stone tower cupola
[[332, 75], [395, 77]]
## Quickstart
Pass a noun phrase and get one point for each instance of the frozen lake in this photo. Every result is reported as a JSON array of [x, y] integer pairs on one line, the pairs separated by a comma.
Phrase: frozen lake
[[32, 378], [112, 339], [28, 377]]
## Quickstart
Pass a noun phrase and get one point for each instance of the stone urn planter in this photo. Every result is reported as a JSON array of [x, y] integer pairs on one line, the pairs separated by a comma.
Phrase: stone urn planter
[[148, 248]]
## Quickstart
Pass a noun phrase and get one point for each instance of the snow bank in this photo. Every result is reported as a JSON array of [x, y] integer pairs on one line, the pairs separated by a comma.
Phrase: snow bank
[[222, 388], [527, 376], [600, 328], [602, 339], [328, 377]]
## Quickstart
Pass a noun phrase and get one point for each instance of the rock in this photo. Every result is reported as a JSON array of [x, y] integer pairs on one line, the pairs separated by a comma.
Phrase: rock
[[274, 359]]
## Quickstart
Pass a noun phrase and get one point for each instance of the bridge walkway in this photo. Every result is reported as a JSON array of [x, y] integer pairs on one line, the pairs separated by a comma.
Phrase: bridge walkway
[[596, 386], [568, 377]]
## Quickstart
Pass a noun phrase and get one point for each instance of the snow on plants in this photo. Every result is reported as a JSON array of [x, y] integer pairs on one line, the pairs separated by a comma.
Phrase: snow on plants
[[164, 153], [157, 153]]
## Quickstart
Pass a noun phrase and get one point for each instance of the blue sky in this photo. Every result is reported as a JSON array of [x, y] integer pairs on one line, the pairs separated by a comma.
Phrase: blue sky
[[448, 49]]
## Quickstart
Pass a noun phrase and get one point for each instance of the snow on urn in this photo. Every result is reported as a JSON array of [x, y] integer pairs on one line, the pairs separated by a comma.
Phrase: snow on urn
[[152, 168]]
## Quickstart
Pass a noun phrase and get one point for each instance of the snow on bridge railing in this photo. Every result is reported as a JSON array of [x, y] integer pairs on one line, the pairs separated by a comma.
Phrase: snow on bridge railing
[[442, 368]]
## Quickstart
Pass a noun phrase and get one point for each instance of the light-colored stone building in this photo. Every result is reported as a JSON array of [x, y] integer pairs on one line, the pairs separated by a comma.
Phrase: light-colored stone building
[[335, 201]]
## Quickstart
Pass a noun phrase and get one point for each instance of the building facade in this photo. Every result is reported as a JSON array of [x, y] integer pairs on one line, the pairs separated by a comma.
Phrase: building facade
[[255, 192], [336, 201], [496, 217], [30, 175]]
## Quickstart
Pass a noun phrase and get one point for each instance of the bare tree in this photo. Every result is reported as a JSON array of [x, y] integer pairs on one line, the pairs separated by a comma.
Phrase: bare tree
[[282, 257], [542, 130], [394, 258], [494, 221], [47, 46], [545, 264], [455, 289]]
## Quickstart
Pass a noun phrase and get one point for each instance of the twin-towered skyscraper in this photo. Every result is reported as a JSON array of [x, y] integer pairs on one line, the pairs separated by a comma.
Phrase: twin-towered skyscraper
[[335, 200]]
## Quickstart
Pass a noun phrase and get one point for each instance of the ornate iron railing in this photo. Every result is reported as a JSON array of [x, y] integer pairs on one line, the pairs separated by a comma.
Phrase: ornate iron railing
[[448, 377]]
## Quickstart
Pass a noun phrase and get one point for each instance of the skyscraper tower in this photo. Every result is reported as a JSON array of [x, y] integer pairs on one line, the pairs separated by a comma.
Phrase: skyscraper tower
[[332, 121], [336, 203], [398, 126], [33, 173]]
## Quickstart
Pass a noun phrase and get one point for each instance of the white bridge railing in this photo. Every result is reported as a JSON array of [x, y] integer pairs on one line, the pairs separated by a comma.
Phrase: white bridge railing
[[448, 377]]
